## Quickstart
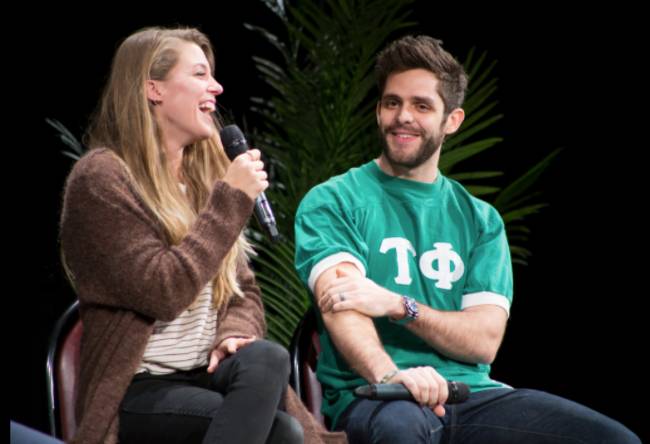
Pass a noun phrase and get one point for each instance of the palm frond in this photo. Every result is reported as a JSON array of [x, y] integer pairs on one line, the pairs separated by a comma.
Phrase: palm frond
[[461, 177], [449, 159], [513, 193], [68, 139]]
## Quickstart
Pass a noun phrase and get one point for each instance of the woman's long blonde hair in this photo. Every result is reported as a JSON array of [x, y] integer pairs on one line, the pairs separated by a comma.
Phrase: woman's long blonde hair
[[124, 122]]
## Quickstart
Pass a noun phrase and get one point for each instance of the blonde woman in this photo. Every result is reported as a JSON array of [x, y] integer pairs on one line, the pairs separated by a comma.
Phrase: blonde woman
[[151, 234]]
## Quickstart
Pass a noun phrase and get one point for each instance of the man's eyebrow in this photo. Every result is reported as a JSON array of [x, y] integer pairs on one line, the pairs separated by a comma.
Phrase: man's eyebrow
[[424, 99]]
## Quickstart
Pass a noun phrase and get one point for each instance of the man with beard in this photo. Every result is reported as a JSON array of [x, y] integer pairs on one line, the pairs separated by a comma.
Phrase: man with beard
[[413, 279]]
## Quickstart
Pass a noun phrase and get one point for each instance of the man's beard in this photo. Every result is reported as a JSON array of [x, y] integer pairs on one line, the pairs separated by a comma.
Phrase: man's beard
[[428, 147]]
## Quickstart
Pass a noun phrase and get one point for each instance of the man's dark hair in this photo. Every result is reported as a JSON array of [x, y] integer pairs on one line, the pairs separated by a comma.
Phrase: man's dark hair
[[424, 52]]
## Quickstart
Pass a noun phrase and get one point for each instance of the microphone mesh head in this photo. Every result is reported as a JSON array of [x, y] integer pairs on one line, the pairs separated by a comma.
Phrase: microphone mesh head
[[458, 392], [233, 141]]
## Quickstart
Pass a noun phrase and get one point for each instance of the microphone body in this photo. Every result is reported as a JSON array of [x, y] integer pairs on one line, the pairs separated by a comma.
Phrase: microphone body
[[234, 143], [458, 392]]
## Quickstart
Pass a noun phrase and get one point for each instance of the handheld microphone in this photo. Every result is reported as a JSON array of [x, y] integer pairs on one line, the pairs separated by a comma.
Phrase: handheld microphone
[[458, 392], [234, 143]]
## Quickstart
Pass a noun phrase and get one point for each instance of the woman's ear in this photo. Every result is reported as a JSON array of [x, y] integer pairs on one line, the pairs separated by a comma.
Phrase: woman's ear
[[154, 93]]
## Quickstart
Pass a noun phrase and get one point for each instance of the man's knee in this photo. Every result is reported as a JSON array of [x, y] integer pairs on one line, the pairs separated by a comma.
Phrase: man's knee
[[570, 418], [614, 431], [403, 421]]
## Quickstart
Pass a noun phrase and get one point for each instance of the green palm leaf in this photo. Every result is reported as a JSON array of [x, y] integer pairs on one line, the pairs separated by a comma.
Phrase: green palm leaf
[[450, 158], [515, 193], [68, 139]]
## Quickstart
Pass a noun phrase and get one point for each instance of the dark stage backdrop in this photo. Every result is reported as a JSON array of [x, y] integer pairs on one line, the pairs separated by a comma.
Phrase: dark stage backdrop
[[573, 329]]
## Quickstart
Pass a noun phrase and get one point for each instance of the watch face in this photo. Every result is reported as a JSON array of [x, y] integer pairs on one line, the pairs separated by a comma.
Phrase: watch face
[[411, 308]]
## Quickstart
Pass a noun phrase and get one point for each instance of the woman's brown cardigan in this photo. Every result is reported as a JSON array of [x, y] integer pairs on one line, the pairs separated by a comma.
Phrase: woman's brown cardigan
[[126, 276]]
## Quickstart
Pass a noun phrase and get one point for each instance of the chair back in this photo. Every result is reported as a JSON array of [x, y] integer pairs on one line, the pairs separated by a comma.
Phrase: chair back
[[62, 373], [304, 350]]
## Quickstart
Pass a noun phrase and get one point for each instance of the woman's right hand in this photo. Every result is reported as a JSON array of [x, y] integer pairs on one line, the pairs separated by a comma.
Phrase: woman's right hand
[[227, 347], [246, 172]]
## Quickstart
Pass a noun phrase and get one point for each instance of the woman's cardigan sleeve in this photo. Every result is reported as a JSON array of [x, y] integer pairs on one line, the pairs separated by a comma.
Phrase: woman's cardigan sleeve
[[117, 252]]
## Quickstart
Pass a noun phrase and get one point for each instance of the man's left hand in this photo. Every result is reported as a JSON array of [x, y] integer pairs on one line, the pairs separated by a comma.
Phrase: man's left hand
[[361, 294]]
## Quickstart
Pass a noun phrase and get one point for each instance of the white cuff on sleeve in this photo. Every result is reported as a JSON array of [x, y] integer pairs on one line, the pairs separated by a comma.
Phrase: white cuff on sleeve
[[485, 298], [329, 262]]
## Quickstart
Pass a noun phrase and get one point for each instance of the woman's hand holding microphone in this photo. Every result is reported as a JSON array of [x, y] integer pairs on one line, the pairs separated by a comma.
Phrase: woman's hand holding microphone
[[246, 172]]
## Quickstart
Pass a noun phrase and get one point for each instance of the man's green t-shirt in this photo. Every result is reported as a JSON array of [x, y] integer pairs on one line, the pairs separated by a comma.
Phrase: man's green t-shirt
[[433, 242]]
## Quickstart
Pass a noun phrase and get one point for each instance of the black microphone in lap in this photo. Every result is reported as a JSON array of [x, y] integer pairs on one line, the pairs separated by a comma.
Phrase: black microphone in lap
[[458, 392], [234, 143]]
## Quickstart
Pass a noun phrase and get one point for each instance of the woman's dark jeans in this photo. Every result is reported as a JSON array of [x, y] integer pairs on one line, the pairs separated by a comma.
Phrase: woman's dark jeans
[[239, 403]]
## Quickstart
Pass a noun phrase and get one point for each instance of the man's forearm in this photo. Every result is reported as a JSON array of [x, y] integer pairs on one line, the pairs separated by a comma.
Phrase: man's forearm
[[356, 338], [472, 336]]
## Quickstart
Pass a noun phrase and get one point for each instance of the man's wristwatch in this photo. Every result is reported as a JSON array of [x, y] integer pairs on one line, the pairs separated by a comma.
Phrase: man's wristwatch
[[411, 309]]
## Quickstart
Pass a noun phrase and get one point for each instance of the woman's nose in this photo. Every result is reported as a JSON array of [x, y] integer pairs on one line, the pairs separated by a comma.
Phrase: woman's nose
[[215, 87]]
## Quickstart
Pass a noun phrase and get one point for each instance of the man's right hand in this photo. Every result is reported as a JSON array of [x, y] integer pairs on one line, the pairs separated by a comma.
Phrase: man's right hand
[[426, 385]]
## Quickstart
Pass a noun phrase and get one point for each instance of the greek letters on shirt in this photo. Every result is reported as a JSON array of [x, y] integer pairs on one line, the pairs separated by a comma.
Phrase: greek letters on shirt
[[449, 265]]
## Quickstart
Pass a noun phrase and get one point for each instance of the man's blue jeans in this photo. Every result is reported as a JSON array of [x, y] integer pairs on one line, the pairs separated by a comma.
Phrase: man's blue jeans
[[495, 416]]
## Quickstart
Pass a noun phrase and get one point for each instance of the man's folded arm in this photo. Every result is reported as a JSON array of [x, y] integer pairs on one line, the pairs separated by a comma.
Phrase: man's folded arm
[[354, 333]]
